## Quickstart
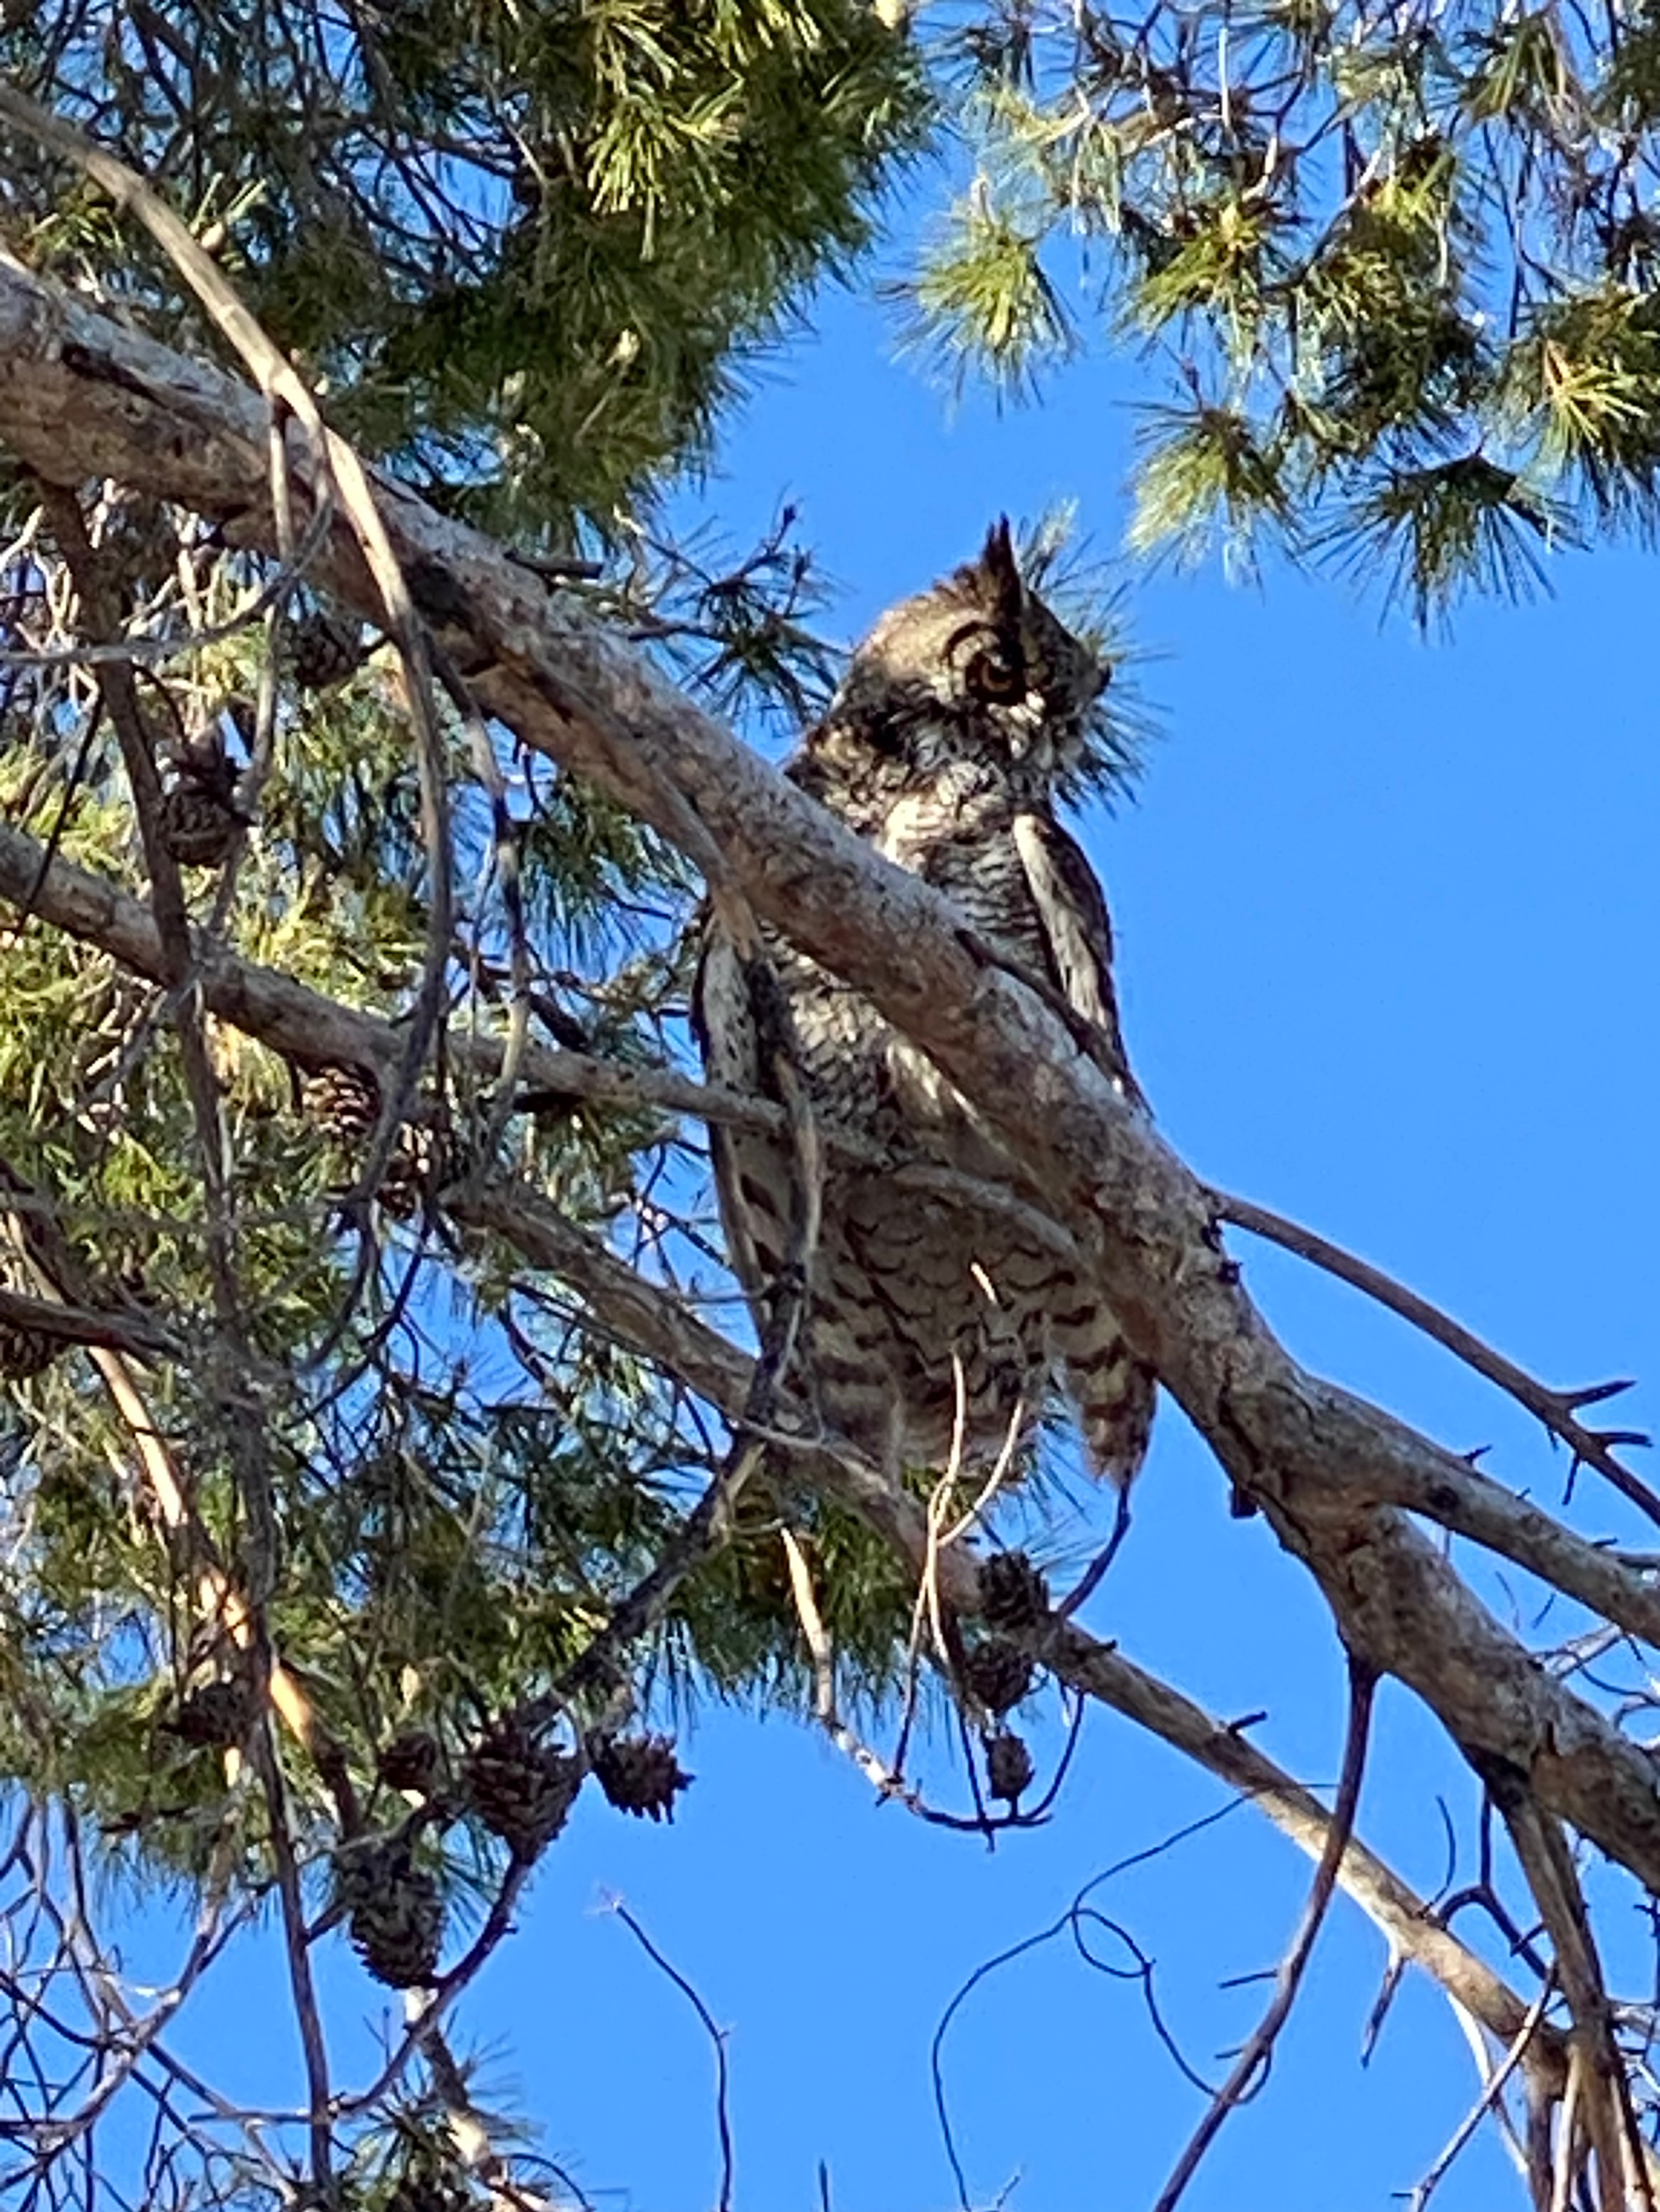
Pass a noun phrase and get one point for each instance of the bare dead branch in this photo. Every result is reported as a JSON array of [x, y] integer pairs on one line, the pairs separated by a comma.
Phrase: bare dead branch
[[1072, 1921], [660, 1327], [1254, 2059], [1555, 1408], [716, 2036], [1621, 2168], [1491, 2090], [301, 1983]]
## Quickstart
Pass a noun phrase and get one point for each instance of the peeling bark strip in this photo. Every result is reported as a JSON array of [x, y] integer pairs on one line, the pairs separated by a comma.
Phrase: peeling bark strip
[[79, 395]]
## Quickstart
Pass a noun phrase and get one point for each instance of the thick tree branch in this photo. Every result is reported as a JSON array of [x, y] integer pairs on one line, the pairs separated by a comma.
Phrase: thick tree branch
[[79, 395], [305, 1025], [301, 1023]]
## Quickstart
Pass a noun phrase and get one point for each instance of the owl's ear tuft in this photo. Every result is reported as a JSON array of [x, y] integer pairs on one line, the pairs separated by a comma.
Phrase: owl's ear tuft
[[1000, 568]]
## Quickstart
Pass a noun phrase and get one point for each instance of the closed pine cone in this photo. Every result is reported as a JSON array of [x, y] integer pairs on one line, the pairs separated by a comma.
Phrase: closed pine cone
[[327, 649], [199, 827], [1009, 1769], [521, 1789], [1013, 1593], [396, 1914], [998, 1674], [410, 1761], [215, 1715], [343, 1102]]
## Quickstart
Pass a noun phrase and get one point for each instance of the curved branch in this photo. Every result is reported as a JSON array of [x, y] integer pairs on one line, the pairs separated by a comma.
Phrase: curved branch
[[293, 1019], [657, 1324], [1555, 1408], [1258, 2050]]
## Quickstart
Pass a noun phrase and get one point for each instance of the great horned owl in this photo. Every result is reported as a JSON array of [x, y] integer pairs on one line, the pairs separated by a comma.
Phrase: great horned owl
[[933, 1317]]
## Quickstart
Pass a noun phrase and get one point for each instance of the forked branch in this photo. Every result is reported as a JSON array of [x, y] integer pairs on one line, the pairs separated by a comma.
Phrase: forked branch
[[1557, 1409]]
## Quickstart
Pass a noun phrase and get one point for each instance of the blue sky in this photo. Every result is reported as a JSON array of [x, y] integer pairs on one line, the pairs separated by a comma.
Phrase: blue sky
[[1387, 916]]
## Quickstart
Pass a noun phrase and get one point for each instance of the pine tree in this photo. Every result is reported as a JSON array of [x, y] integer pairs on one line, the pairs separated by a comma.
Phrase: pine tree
[[313, 1539], [376, 1482]]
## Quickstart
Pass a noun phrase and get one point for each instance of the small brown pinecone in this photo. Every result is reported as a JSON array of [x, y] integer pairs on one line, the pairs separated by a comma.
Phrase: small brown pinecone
[[410, 1761], [998, 1673], [344, 1103], [27, 1351], [396, 1915], [198, 818], [639, 1774], [215, 1716], [520, 1788], [327, 649], [420, 1160], [1009, 1769], [1013, 1593]]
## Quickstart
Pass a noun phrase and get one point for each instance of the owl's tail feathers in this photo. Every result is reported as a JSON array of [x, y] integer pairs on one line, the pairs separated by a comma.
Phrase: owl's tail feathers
[[1117, 1393]]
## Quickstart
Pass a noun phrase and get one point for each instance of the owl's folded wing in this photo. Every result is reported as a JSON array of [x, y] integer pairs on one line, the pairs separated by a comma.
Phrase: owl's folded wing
[[1077, 930]]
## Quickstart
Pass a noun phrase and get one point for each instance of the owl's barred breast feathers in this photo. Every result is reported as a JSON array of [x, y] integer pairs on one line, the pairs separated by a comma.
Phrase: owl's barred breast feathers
[[931, 1318]]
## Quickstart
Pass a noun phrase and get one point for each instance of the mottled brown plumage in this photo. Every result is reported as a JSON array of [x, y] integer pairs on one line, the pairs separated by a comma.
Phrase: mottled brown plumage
[[962, 715]]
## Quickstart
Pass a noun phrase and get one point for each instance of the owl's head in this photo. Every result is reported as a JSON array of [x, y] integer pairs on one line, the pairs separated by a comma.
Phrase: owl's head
[[981, 661]]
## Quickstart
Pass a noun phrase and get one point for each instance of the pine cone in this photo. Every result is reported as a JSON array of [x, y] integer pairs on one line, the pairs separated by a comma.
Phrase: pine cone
[[396, 1915], [327, 649], [521, 1789], [421, 1160], [1009, 1769], [27, 1351], [998, 1674], [199, 825], [639, 1774], [410, 1761], [1013, 1593], [215, 1716], [344, 1103]]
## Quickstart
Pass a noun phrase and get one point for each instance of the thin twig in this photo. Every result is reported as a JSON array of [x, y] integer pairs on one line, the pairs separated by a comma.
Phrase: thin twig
[[1068, 1920], [308, 2014], [1254, 2059], [138, 651], [1493, 2090], [716, 2035], [884, 1779], [1555, 1408]]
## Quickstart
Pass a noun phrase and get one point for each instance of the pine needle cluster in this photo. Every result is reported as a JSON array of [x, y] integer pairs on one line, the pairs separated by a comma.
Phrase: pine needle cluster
[[1398, 267], [528, 250]]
